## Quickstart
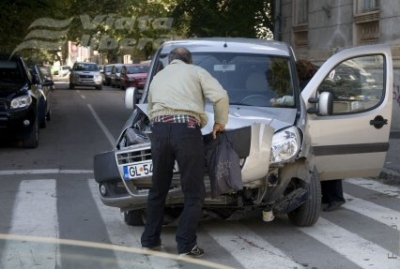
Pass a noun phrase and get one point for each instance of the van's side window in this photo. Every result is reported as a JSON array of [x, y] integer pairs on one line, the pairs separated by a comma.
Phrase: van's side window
[[356, 84]]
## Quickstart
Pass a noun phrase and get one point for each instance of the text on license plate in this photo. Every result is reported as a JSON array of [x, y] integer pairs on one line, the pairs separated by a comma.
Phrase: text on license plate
[[138, 170]]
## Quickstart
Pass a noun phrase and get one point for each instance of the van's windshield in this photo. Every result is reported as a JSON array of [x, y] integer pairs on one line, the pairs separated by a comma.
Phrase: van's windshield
[[250, 79]]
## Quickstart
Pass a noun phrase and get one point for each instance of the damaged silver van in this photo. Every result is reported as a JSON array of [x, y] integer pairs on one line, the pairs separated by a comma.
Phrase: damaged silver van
[[337, 127]]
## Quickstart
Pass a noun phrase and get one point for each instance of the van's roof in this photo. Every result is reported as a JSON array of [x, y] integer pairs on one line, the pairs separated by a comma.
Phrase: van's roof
[[236, 45]]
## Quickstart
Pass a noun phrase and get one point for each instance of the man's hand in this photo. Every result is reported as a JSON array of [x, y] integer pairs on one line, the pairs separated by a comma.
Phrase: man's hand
[[217, 128]]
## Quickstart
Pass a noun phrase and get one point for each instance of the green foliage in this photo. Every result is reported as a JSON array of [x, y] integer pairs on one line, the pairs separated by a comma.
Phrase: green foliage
[[190, 18], [226, 18], [278, 77]]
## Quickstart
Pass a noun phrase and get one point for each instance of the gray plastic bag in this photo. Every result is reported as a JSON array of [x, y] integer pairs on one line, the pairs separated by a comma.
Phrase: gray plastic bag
[[223, 166]]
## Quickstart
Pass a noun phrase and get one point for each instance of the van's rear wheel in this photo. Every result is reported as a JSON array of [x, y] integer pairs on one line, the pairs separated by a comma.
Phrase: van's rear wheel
[[308, 213], [135, 217]]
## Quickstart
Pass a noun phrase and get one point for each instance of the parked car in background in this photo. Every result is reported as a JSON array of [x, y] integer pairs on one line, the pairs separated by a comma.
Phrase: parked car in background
[[134, 75], [106, 74], [85, 74], [20, 99], [64, 70], [115, 75], [285, 150], [46, 71], [44, 85]]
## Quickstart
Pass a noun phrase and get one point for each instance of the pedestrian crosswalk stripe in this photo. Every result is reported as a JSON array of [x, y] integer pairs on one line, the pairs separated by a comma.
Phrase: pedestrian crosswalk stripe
[[374, 185], [362, 252], [236, 240], [376, 212], [44, 172], [34, 213]]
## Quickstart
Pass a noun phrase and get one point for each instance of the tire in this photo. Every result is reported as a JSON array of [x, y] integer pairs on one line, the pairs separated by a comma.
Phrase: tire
[[42, 115], [99, 88], [308, 213], [135, 217], [71, 86], [43, 123], [138, 217], [48, 115], [32, 141]]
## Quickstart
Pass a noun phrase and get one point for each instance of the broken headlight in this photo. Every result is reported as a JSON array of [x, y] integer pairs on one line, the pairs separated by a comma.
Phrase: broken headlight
[[285, 145]]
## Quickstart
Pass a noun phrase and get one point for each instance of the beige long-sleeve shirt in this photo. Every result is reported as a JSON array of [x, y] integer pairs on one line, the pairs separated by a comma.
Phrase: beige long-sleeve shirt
[[182, 88]]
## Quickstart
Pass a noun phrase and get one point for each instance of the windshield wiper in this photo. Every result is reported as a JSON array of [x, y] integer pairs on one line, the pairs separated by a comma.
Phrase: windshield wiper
[[239, 104]]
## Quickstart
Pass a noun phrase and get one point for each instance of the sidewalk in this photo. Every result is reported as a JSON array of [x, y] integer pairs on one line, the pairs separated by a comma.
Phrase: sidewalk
[[391, 169]]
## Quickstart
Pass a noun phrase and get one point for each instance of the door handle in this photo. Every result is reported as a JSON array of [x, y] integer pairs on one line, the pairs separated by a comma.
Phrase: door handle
[[378, 122]]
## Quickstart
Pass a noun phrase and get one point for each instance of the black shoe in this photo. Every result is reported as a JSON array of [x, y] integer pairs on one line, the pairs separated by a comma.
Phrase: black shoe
[[333, 206], [196, 252]]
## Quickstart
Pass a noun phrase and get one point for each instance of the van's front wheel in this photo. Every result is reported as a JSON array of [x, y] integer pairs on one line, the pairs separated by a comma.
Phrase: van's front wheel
[[308, 213]]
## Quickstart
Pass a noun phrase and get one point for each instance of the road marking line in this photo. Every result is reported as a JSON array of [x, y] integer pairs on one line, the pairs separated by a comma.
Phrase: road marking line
[[371, 210], [242, 244], [362, 252], [372, 184], [44, 172], [102, 126], [83, 97], [42, 222]]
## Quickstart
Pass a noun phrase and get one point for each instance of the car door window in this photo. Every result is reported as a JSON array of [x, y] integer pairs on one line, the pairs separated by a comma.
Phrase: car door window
[[356, 84]]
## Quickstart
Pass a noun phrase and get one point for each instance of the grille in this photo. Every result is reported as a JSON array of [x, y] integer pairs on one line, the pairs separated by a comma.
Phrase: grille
[[86, 76], [134, 156]]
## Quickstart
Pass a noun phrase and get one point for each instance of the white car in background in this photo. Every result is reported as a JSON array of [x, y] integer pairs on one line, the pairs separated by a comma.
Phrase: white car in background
[[85, 74], [333, 129], [65, 70]]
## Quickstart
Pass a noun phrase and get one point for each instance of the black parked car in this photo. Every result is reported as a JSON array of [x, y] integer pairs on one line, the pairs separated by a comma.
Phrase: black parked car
[[45, 86], [20, 99], [106, 74]]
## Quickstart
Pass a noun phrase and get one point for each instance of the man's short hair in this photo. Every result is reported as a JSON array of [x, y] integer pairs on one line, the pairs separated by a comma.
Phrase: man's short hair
[[180, 53]]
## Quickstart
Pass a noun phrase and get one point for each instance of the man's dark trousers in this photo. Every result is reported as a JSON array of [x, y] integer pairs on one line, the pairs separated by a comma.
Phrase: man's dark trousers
[[184, 143]]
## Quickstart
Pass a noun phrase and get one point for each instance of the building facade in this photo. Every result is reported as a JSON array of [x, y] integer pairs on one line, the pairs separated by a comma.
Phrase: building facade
[[317, 29]]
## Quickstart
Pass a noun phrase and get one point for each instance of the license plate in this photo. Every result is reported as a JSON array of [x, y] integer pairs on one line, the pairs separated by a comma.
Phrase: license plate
[[139, 170], [144, 169]]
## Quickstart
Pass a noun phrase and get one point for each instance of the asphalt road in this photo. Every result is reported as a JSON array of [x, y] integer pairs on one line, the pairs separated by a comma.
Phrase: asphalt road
[[50, 192]]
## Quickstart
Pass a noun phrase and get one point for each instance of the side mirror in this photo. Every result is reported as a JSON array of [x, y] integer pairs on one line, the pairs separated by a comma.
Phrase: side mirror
[[323, 104], [130, 97], [35, 79]]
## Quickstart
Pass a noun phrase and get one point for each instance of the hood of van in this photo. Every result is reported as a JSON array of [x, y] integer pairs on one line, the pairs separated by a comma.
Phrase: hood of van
[[242, 116]]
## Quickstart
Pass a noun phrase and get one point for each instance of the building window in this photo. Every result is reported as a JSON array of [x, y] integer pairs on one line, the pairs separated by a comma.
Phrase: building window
[[300, 23], [367, 5], [366, 21], [300, 12]]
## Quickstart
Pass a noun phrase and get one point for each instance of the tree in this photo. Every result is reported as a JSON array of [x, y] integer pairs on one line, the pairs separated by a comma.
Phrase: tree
[[16, 18], [38, 29], [226, 18]]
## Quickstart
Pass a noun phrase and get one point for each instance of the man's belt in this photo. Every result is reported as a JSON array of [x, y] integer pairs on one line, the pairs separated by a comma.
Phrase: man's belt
[[177, 119]]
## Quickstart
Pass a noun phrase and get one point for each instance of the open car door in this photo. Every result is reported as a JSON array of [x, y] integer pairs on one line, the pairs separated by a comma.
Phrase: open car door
[[350, 136]]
